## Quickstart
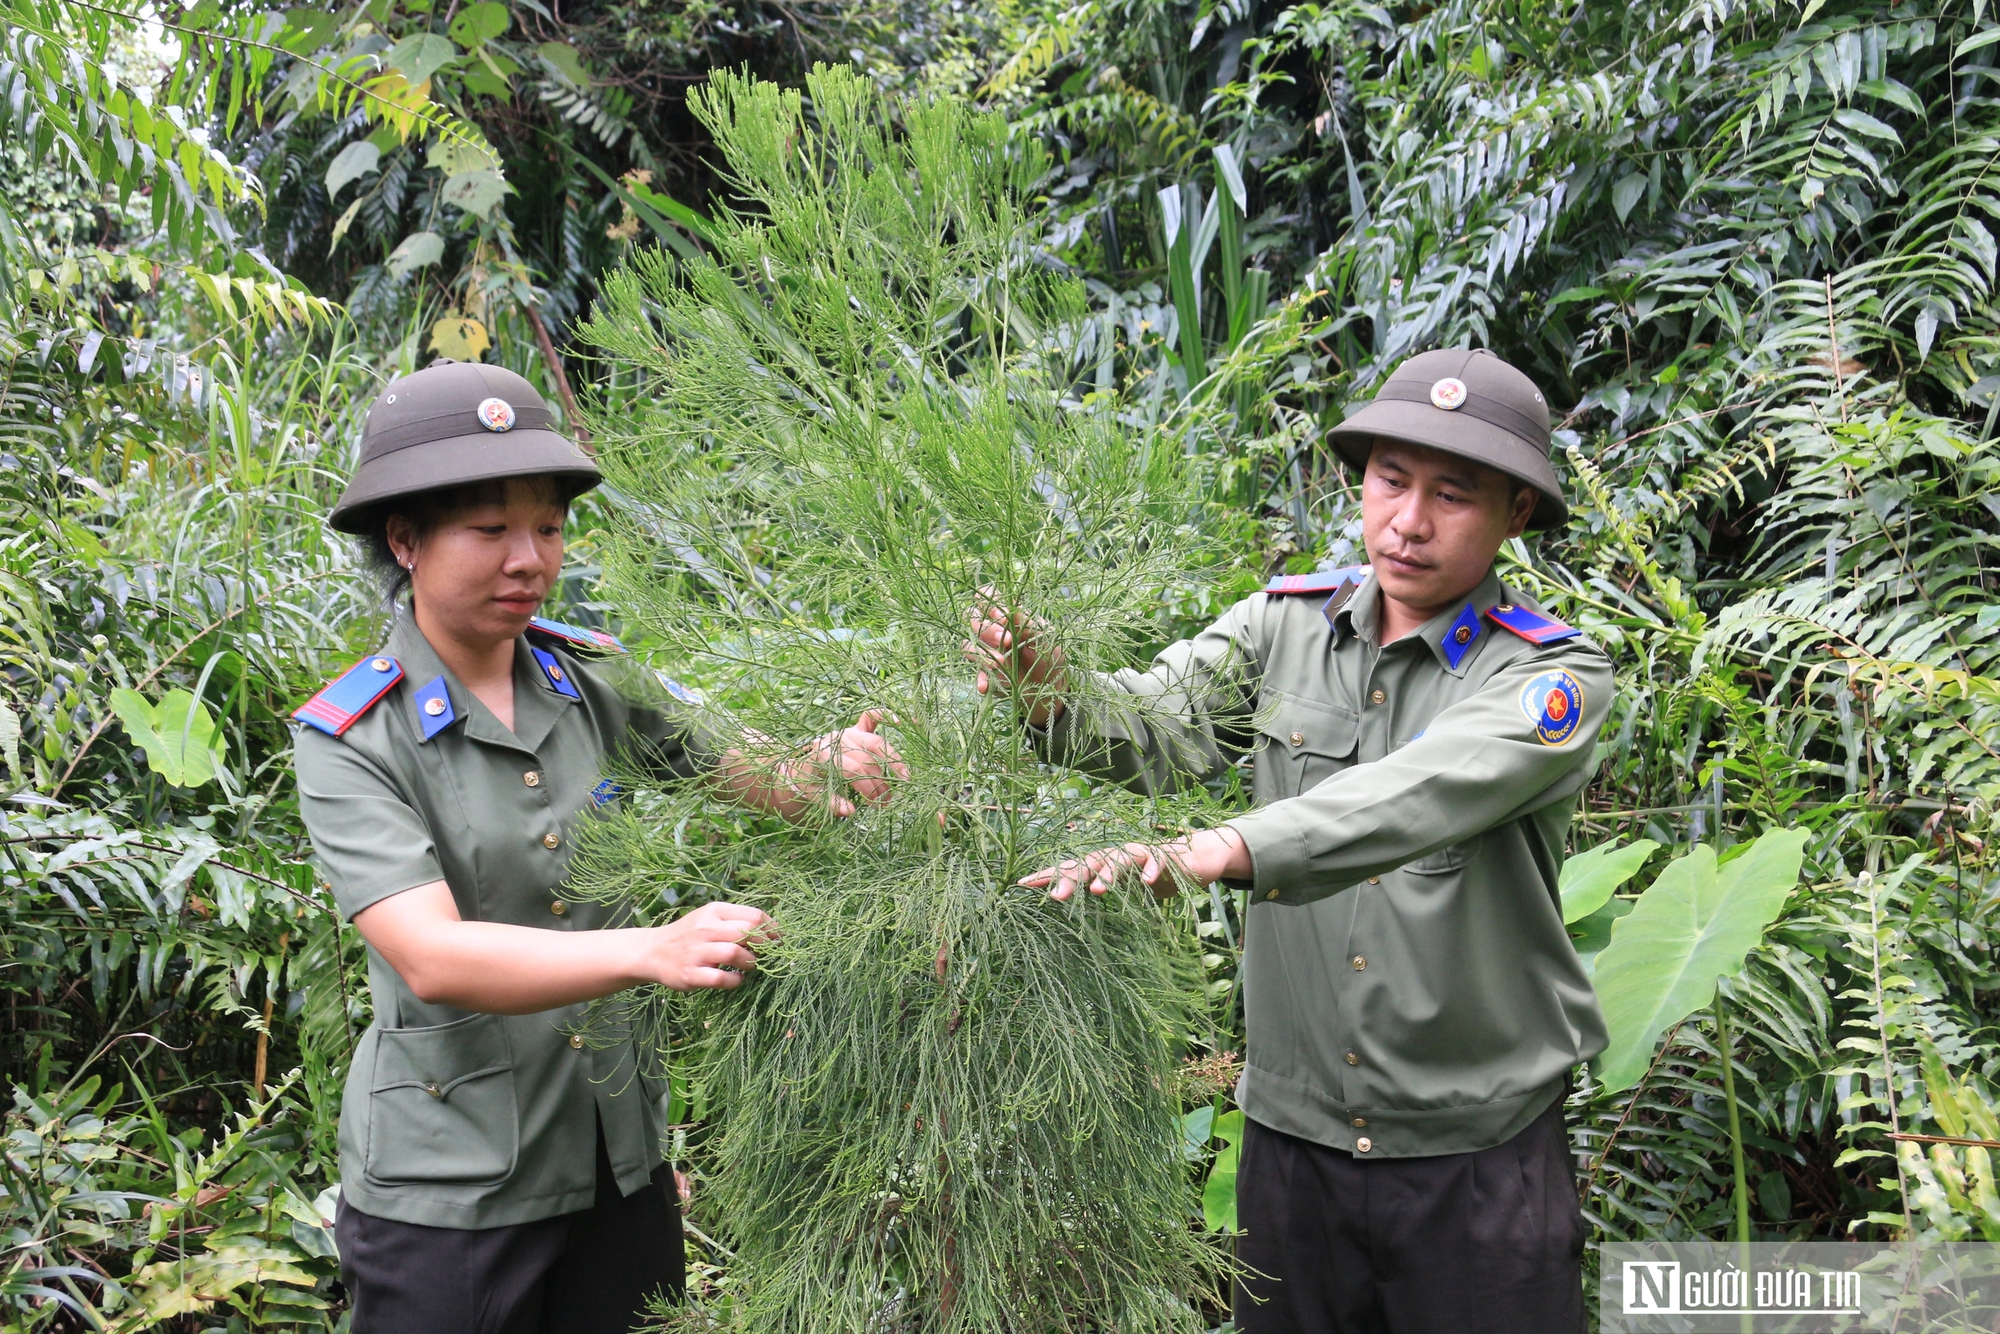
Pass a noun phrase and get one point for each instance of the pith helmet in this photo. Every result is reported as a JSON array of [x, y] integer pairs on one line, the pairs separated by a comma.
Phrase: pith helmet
[[451, 423], [1469, 403]]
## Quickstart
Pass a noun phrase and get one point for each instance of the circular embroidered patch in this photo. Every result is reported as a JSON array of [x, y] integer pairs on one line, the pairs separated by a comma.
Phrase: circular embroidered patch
[[1553, 702], [496, 414], [1449, 394]]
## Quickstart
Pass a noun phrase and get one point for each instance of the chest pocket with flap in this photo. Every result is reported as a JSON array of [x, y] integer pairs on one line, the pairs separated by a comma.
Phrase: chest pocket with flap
[[1305, 742]]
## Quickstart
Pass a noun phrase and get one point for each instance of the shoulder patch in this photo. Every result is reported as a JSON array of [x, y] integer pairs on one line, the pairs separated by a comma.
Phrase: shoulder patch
[[1530, 625], [1320, 581], [576, 635], [554, 673], [1553, 702], [346, 697]]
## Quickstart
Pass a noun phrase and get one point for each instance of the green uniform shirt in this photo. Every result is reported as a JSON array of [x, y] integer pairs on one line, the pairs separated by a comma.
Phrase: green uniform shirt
[[1408, 984], [454, 1118]]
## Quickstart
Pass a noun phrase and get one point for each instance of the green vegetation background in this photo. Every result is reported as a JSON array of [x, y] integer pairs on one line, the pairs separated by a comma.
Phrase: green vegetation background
[[1748, 249]]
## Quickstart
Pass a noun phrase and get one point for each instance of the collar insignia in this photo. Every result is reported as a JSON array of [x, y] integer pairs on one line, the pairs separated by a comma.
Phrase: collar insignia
[[434, 711], [1460, 636], [552, 671]]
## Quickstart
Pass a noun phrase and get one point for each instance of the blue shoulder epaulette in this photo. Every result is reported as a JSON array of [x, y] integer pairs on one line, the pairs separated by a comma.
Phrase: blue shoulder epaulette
[[1532, 626], [347, 696], [1321, 581], [576, 635]]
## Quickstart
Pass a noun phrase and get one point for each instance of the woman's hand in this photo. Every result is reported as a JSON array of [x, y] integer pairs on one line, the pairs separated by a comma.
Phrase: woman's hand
[[1006, 647], [500, 968], [858, 759], [709, 947], [1201, 858]]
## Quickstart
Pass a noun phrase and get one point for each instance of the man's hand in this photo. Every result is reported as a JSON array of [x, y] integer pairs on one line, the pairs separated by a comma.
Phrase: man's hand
[[1202, 858], [857, 758], [707, 948], [1005, 648]]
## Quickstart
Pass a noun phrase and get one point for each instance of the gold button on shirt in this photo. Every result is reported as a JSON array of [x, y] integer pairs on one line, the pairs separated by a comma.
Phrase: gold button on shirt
[[508, 1137], [1436, 772]]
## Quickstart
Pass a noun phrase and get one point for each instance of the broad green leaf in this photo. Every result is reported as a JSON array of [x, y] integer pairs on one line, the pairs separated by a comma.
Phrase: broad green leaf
[[177, 734], [10, 740], [307, 30], [417, 250], [1626, 193], [355, 161], [1218, 1195], [1978, 41], [477, 192], [455, 155], [417, 58], [1197, 1127], [1692, 928], [479, 23], [1589, 936], [1590, 878], [566, 61], [1570, 294]]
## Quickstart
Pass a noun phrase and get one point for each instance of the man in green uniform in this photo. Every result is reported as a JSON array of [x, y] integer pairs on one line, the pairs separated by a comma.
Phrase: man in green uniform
[[1414, 1006]]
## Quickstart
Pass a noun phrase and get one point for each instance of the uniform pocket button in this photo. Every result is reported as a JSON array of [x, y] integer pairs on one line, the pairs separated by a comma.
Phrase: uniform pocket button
[[551, 841], [576, 1041], [559, 907], [1298, 738], [434, 1090], [1374, 879], [531, 778], [1364, 1144]]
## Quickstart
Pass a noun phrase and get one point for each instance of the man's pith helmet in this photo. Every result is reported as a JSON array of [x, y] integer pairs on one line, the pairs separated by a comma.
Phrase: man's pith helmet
[[1468, 403], [454, 422]]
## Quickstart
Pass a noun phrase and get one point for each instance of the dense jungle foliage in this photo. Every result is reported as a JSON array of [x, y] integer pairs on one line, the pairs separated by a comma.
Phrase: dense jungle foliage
[[1748, 249]]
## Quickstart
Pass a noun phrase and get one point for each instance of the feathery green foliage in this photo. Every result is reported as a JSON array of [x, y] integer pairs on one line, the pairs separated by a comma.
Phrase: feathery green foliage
[[949, 1103]]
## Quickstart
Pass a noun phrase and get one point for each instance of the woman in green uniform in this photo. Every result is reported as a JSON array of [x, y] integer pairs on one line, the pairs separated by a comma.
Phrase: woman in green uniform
[[500, 1173]]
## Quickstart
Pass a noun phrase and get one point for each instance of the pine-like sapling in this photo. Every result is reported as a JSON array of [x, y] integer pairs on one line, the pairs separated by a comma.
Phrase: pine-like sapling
[[946, 1103]]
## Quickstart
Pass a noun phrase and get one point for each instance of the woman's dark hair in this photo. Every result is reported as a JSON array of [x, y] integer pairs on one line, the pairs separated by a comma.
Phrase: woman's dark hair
[[427, 511]]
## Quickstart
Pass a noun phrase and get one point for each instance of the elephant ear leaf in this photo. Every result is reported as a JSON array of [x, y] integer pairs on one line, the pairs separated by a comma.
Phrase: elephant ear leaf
[[1589, 879], [177, 734], [1218, 1194], [1692, 928]]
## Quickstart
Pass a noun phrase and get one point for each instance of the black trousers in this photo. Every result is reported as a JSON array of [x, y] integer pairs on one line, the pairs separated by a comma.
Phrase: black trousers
[[582, 1273], [1471, 1243]]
